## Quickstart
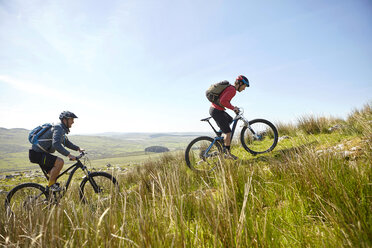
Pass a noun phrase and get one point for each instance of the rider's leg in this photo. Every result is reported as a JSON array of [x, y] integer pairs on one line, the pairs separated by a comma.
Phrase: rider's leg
[[223, 121], [54, 172], [226, 149], [227, 139]]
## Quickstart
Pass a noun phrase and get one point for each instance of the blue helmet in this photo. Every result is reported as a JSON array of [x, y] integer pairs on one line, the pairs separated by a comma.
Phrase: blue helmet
[[242, 79]]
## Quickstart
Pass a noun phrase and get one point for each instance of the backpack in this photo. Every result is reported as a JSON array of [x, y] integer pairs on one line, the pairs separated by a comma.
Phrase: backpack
[[214, 91], [37, 132]]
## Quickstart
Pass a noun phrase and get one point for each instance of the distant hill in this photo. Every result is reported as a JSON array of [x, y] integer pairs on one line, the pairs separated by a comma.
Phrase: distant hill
[[14, 146], [13, 140], [150, 135]]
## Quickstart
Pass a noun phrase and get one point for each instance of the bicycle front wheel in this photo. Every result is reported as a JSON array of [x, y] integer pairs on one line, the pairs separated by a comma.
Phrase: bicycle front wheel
[[99, 187], [202, 154], [260, 136], [25, 197]]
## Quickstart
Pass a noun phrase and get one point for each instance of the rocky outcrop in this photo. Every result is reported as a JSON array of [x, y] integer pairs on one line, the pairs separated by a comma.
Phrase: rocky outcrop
[[347, 150], [284, 137]]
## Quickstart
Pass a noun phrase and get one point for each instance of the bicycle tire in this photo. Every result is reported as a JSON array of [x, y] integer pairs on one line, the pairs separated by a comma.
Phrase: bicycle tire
[[267, 140], [103, 187], [25, 196], [195, 156]]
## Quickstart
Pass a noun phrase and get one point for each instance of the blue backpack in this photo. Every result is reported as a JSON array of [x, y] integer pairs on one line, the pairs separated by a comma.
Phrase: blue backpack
[[37, 132]]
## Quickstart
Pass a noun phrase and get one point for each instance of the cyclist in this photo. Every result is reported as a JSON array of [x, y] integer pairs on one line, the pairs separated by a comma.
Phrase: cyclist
[[52, 140], [221, 117]]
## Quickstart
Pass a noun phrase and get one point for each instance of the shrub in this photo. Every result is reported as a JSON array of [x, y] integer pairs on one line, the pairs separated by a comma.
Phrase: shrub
[[316, 125]]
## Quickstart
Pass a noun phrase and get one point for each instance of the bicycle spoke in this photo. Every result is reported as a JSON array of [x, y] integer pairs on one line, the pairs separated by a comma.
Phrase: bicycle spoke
[[101, 188], [202, 154], [260, 137], [25, 198]]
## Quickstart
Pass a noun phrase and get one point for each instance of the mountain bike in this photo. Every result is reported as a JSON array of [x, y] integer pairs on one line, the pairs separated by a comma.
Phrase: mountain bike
[[94, 188], [257, 136]]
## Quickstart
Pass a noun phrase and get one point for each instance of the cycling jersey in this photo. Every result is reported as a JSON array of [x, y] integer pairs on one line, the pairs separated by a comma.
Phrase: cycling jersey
[[225, 98]]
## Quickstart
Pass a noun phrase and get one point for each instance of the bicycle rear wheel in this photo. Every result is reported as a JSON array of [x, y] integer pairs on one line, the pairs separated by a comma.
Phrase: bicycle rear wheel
[[99, 187], [25, 197], [260, 137], [202, 154]]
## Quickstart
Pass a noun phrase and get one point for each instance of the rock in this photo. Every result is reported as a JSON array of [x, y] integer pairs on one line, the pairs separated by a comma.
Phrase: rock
[[119, 168], [356, 148], [108, 165], [340, 147], [347, 153], [2, 177], [283, 138], [335, 128]]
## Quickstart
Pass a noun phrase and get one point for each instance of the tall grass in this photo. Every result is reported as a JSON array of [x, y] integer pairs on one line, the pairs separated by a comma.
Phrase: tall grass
[[299, 200], [286, 129], [360, 121], [289, 198]]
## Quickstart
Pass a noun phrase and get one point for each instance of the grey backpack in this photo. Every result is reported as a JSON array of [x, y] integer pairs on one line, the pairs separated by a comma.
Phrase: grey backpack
[[214, 91]]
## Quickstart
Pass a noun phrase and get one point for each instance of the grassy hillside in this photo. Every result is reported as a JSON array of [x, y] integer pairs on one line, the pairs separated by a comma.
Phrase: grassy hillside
[[313, 190]]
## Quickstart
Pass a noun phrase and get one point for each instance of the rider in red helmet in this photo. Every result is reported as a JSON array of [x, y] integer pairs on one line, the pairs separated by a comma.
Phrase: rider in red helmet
[[222, 118]]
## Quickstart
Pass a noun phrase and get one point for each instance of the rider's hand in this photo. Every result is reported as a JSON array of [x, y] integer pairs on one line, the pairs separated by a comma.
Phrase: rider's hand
[[81, 150], [236, 110], [71, 157]]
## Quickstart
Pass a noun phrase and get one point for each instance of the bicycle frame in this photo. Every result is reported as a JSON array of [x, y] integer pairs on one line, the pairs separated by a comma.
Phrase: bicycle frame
[[77, 165], [74, 168], [46, 196], [234, 124]]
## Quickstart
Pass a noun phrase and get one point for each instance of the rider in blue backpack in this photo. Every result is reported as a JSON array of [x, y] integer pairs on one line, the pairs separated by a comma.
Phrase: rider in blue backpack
[[51, 140]]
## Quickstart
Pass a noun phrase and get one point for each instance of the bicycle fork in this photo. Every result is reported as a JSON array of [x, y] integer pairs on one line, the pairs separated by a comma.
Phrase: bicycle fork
[[255, 135], [96, 188]]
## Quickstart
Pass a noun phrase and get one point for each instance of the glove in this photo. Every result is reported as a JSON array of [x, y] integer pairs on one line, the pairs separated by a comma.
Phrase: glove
[[236, 110]]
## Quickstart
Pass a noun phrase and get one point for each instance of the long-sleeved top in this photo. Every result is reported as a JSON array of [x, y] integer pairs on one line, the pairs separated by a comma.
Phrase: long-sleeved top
[[54, 140], [225, 98]]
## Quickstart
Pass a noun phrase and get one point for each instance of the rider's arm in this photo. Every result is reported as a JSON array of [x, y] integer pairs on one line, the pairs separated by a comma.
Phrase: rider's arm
[[70, 145], [226, 97], [58, 136]]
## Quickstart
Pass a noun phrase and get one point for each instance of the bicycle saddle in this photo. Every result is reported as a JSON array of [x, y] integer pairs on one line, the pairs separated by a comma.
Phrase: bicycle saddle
[[206, 119]]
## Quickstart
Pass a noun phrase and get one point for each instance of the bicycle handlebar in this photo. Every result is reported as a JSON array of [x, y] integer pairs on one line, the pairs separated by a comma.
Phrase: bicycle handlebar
[[80, 155], [240, 113]]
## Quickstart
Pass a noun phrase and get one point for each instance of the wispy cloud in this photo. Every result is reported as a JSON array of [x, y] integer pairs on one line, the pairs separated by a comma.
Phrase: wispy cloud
[[45, 91]]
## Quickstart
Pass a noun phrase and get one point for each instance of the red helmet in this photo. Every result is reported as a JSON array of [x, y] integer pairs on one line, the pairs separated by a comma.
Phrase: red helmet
[[242, 79]]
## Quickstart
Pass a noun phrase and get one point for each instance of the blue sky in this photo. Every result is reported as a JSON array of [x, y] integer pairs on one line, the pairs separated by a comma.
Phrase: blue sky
[[144, 66]]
